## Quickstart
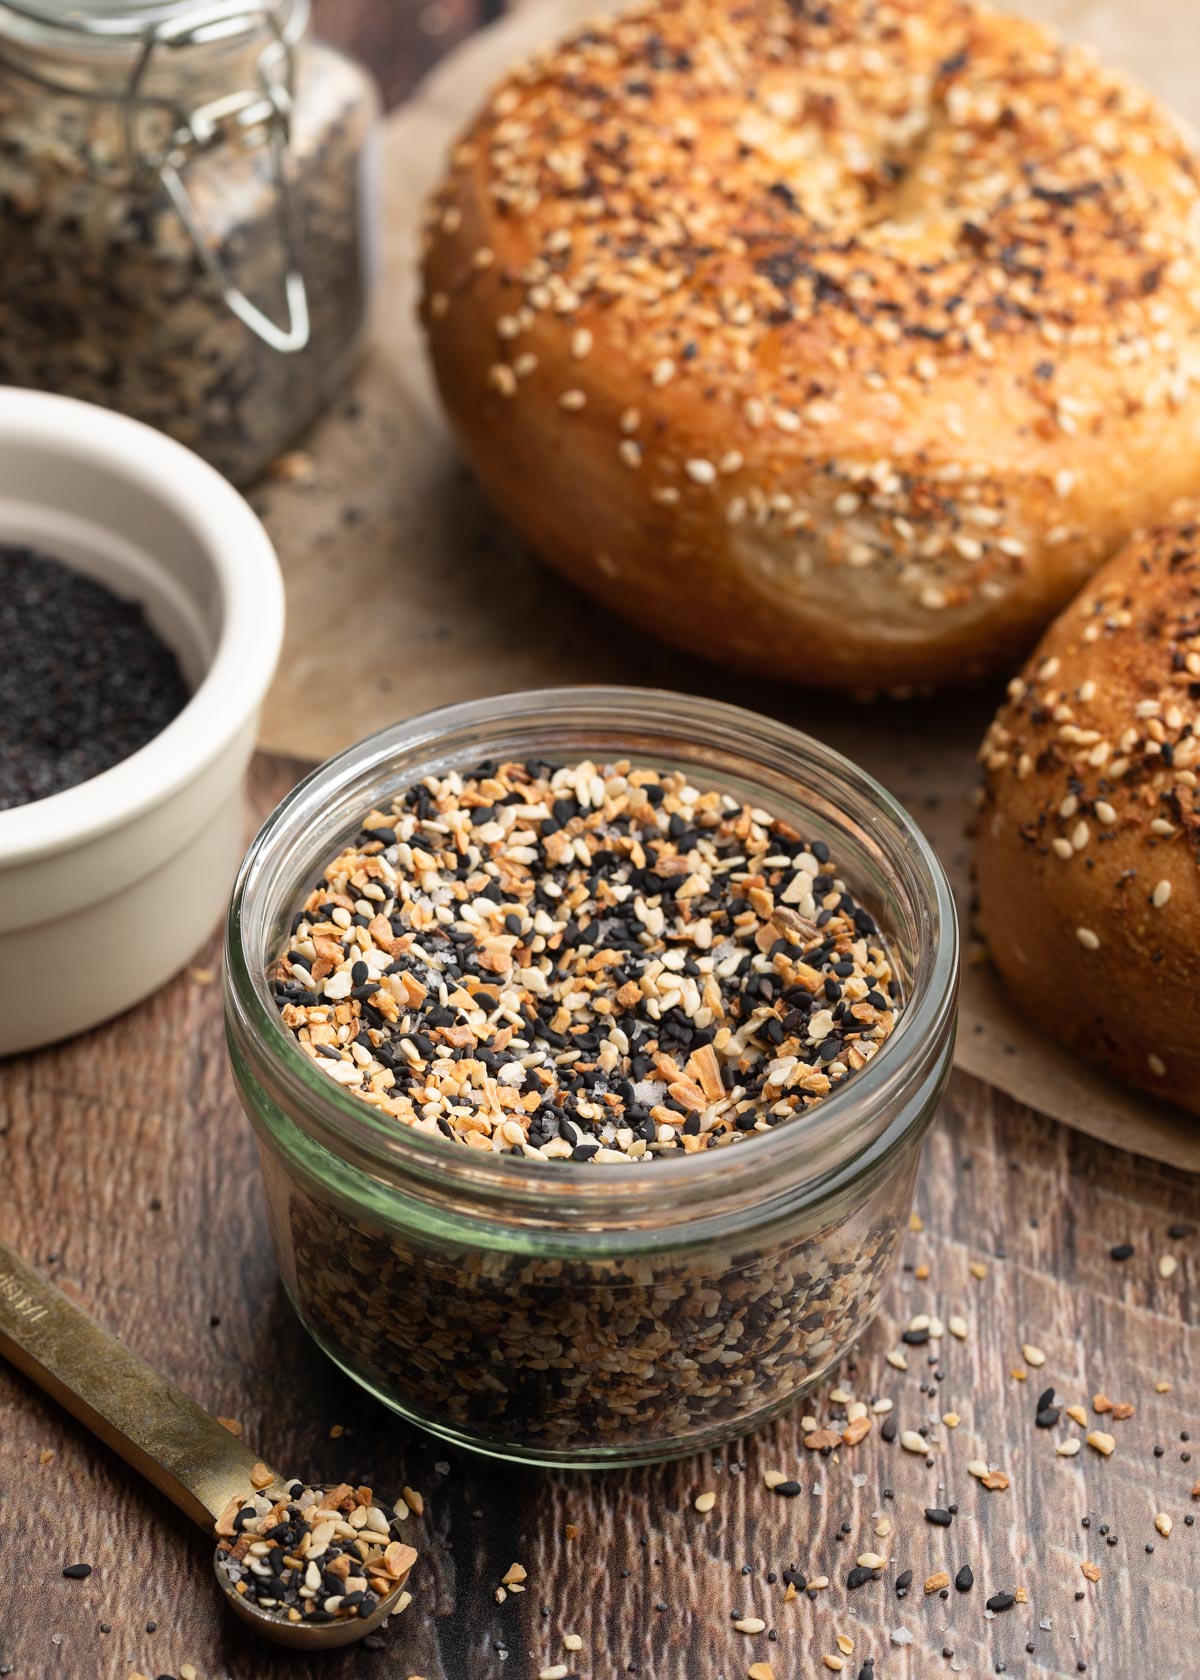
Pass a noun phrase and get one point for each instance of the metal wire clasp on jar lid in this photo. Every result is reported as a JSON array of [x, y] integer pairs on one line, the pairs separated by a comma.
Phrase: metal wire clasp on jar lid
[[259, 114]]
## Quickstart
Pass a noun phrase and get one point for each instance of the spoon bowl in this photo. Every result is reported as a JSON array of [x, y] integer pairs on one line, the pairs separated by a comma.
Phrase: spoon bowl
[[306, 1636], [301, 1635]]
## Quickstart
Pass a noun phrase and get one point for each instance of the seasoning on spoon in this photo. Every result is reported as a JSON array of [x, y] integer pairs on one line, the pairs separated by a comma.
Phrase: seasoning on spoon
[[314, 1555], [85, 681]]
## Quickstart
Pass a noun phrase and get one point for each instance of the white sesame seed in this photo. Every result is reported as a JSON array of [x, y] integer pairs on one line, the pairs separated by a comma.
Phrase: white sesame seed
[[1161, 894], [1079, 835], [1156, 1064], [1062, 848], [664, 372], [701, 472], [581, 343], [1087, 939], [1068, 1449], [912, 1442], [1105, 812], [1033, 1355], [705, 1501], [1167, 1266], [572, 400]]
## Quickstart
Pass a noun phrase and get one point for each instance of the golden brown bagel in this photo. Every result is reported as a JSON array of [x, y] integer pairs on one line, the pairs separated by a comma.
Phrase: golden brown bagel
[[839, 340], [1086, 852]]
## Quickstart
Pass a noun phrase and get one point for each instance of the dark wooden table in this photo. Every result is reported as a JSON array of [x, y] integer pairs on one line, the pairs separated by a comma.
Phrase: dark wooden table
[[128, 1172]]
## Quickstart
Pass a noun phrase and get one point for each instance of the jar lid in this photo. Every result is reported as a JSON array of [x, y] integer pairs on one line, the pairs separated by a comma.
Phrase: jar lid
[[130, 19]]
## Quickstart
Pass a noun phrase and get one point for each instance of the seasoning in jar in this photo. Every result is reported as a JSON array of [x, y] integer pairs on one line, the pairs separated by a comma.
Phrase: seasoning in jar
[[84, 682], [185, 212], [588, 963]]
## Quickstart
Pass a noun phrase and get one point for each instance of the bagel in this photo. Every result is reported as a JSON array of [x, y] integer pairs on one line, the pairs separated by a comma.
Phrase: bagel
[[839, 340], [1086, 857]]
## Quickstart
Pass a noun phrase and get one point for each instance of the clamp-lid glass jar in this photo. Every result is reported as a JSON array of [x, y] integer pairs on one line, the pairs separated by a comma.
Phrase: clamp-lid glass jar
[[573, 1313], [185, 214]]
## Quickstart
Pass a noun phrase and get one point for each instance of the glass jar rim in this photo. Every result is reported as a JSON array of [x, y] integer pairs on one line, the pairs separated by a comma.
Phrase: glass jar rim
[[870, 1111]]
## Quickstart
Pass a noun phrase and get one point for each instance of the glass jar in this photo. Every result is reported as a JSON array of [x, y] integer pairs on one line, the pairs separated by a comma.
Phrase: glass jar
[[569, 1314], [186, 215]]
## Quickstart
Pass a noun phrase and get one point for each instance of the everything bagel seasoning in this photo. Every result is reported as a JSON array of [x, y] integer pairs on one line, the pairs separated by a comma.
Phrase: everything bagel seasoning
[[312, 1554], [584, 962]]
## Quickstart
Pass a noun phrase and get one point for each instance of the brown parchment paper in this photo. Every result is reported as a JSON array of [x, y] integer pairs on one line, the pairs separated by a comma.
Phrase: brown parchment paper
[[406, 592]]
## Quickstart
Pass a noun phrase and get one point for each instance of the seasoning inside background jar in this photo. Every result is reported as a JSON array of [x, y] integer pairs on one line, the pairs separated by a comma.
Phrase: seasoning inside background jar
[[186, 215]]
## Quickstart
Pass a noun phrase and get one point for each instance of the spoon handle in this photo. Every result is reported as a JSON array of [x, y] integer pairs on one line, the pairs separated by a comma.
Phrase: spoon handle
[[155, 1427]]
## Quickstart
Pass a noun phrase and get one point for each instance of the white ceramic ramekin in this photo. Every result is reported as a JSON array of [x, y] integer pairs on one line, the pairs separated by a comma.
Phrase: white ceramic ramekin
[[108, 888]]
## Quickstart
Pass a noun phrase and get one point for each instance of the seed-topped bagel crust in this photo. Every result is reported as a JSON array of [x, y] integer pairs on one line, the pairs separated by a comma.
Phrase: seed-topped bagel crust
[[1087, 844], [841, 341]]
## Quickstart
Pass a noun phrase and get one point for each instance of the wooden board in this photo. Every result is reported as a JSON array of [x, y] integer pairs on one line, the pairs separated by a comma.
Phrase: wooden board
[[129, 1173]]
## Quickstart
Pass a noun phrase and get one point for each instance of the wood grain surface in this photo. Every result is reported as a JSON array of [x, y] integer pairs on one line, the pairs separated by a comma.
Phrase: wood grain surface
[[128, 1172]]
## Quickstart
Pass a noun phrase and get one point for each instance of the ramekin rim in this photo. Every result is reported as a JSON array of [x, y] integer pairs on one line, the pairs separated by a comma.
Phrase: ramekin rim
[[252, 616]]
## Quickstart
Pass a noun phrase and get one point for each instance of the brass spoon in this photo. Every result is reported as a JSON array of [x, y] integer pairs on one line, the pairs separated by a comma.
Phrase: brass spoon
[[154, 1426]]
